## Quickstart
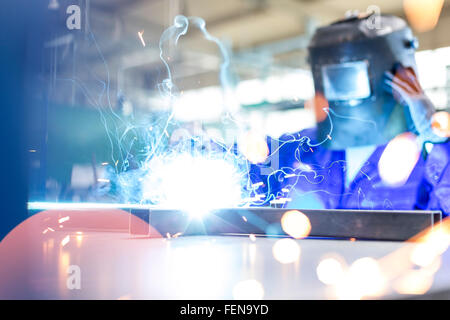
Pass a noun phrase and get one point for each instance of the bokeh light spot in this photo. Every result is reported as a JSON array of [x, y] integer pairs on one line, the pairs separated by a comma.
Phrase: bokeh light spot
[[399, 159], [363, 279], [414, 282], [296, 224], [423, 14], [254, 147], [440, 123], [330, 271], [286, 251]]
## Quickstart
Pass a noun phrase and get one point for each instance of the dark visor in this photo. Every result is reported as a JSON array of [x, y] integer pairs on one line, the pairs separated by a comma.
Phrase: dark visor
[[346, 81]]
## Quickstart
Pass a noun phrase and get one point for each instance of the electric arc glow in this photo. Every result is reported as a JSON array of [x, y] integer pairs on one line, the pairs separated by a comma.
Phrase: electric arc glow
[[167, 161], [196, 184]]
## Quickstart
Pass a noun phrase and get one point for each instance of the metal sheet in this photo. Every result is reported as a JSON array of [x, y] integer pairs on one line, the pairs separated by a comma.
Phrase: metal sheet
[[359, 224], [338, 224]]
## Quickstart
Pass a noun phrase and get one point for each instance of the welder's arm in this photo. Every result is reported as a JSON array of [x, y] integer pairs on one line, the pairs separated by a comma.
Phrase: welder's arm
[[440, 196], [406, 89], [434, 192]]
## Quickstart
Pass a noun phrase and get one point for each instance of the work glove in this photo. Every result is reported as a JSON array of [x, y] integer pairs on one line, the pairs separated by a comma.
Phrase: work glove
[[406, 89]]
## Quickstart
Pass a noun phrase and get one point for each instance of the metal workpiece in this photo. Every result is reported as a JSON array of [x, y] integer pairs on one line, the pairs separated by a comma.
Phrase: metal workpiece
[[340, 224]]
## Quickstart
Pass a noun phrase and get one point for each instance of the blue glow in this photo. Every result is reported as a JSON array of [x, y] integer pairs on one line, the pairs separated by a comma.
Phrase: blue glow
[[84, 205], [193, 172]]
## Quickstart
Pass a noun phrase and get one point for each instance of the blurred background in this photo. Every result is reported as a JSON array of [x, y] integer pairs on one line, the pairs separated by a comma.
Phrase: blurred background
[[92, 81]]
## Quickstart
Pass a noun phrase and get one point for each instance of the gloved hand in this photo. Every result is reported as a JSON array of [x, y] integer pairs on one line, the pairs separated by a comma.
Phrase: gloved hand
[[406, 89]]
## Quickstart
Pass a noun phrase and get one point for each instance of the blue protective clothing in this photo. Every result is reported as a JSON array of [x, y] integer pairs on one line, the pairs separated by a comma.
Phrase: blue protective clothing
[[314, 178]]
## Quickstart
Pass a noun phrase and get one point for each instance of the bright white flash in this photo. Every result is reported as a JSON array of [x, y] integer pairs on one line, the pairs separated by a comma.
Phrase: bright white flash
[[196, 184], [399, 159]]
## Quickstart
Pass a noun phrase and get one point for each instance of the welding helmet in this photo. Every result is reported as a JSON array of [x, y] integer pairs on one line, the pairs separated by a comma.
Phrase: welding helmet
[[348, 59]]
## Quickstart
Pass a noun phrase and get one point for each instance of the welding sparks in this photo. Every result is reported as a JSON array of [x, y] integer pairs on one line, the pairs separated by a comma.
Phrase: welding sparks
[[280, 201], [47, 230], [197, 184], [64, 219], [256, 198], [65, 240], [257, 185], [196, 181], [140, 33]]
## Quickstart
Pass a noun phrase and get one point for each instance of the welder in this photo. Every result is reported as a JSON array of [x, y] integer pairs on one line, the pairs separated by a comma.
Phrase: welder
[[367, 95]]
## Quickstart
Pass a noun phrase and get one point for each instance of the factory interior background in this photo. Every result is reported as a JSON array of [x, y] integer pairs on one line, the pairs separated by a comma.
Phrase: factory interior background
[[141, 136], [111, 68]]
